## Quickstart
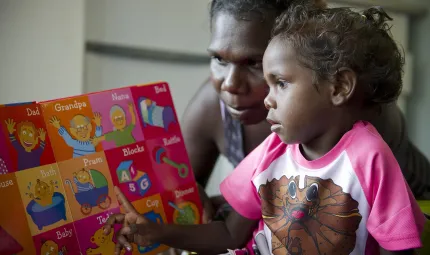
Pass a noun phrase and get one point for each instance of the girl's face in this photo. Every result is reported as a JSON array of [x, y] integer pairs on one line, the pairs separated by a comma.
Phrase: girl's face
[[298, 111], [237, 48]]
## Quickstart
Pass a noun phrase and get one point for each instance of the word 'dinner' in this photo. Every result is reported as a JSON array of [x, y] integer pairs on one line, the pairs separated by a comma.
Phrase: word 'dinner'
[[61, 159]]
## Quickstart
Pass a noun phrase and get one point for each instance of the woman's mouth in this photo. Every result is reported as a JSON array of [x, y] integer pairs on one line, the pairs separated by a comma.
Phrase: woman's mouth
[[237, 110]]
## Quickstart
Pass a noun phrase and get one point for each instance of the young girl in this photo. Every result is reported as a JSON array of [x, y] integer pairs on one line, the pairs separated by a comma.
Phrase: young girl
[[324, 182]]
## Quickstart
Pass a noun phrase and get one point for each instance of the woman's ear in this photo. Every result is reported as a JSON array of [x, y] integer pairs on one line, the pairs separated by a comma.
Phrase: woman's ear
[[344, 86]]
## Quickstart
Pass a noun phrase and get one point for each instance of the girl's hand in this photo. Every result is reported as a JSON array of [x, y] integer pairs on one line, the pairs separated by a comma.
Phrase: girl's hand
[[135, 228]]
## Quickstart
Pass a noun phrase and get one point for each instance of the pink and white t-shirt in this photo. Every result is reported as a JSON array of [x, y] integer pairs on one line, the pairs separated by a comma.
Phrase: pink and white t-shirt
[[346, 202]]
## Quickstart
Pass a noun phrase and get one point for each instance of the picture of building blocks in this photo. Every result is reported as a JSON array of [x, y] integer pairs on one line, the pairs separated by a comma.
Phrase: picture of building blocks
[[125, 171], [132, 171], [138, 181], [160, 156]]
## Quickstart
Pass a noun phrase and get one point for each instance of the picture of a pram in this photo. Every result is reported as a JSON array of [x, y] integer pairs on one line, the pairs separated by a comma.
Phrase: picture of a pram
[[98, 196]]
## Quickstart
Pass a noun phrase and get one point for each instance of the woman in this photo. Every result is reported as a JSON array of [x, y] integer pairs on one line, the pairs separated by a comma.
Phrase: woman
[[227, 115]]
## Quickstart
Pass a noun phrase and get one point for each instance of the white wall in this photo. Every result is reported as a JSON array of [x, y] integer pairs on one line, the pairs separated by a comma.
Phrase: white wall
[[419, 107], [41, 49], [162, 24]]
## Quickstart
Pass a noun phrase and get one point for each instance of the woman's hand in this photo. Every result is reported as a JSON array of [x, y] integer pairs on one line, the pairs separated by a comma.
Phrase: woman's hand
[[208, 209], [135, 228]]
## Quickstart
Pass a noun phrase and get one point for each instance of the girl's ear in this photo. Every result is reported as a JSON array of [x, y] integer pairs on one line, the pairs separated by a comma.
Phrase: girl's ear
[[344, 87]]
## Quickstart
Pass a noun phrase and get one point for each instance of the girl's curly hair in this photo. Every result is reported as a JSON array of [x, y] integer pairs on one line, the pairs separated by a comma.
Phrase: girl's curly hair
[[328, 39]]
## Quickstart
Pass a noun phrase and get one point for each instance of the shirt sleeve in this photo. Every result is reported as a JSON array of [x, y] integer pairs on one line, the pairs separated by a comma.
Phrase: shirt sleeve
[[238, 189], [395, 220]]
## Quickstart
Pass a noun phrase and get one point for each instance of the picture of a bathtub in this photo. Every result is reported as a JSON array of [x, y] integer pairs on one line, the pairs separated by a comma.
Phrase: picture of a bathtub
[[44, 216]]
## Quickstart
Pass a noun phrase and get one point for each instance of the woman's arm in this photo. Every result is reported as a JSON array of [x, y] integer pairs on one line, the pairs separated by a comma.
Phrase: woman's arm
[[392, 126], [198, 125]]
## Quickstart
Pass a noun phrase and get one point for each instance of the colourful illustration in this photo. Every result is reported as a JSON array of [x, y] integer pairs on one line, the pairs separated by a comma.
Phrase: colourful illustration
[[59, 241], [186, 213], [156, 110], [160, 156], [90, 234], [87, 195], [137, 181], [154, 115], [119, 117], [73, 127], [29, 137], [27, 142], [170, 161], [80, 128], [43, 196], [103, 244], [316, 219], [132, 172], [183, 205], [122, 134], [88, 185], [152, 208], [51, 248]]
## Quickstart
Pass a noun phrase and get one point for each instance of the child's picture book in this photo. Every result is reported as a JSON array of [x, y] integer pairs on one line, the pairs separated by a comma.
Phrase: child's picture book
[[61, 158]]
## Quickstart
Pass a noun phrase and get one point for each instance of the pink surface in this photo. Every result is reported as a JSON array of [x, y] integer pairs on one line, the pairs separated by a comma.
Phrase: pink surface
[[60, 238], [173, 146]]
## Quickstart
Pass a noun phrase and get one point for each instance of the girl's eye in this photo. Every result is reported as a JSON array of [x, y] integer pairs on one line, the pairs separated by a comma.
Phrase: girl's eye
[[281, 84]]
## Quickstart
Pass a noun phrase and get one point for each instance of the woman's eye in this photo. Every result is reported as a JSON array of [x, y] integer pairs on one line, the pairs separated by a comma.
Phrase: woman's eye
[[219, 60], [255, 64]]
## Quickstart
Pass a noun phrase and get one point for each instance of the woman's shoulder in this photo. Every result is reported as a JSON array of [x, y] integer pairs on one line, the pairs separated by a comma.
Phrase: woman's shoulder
[[203, 113]]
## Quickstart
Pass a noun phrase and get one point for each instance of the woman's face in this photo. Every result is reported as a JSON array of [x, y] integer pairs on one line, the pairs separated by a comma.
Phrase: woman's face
[[237, 48]]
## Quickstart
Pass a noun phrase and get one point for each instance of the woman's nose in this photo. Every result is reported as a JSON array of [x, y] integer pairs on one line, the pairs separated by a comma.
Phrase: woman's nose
[[233, 82]]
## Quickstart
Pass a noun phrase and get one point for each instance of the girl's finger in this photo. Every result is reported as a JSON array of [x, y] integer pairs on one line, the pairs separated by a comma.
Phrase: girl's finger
[[122, 242], [112, 220]]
